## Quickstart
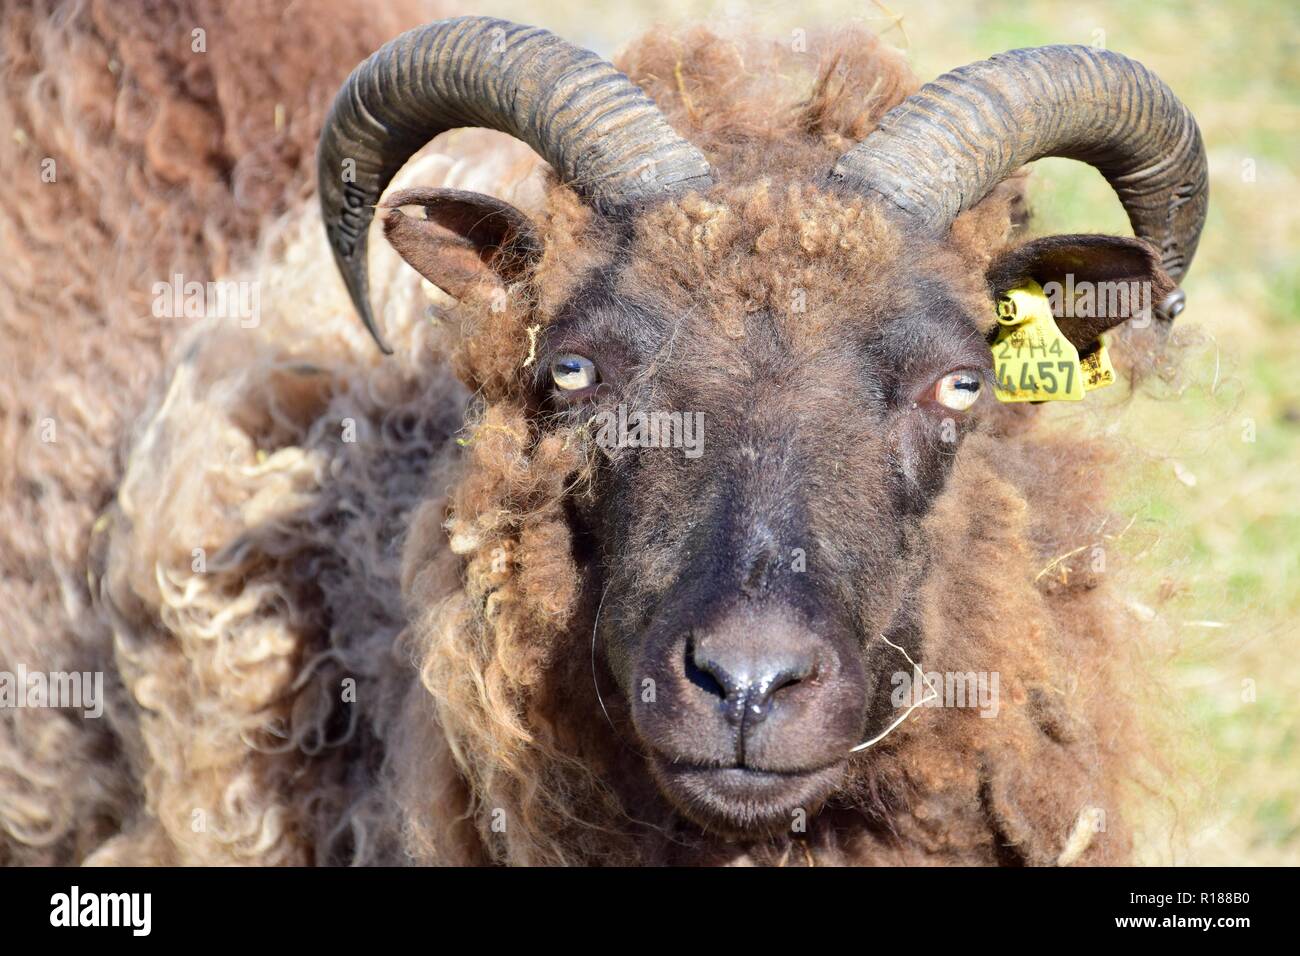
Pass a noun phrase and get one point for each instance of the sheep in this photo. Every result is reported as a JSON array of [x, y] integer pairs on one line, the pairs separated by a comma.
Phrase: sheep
[[410, 609], [136, 147]]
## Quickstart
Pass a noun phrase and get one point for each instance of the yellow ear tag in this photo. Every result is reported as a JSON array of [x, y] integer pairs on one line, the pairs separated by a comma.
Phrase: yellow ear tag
[[1032, 360], [1097, 370]]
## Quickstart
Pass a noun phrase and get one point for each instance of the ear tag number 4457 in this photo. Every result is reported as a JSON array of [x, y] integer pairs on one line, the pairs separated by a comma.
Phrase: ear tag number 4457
[[1033, 361]]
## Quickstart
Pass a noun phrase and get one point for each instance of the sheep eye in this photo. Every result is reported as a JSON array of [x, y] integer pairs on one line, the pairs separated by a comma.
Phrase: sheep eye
[[957, 390], [572, 373]]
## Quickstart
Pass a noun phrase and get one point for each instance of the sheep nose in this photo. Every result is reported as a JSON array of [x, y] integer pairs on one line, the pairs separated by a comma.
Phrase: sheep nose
[[748, 676], [761, 686]]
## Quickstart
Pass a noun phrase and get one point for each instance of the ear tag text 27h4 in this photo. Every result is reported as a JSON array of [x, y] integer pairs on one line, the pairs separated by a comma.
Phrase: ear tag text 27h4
[[1033, 361]]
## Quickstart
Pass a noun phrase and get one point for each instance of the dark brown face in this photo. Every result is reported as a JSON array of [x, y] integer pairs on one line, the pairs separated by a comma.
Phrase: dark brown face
[[749, 560], [778, 382]]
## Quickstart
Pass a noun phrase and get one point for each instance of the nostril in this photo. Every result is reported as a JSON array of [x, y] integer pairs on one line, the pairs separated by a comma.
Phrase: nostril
[[701, 677], [768, 690], [780, 681], [786, 679]]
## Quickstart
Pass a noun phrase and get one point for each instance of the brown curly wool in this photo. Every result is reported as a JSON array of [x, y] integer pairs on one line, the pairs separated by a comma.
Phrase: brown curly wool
[[129, 155], [341, 627]]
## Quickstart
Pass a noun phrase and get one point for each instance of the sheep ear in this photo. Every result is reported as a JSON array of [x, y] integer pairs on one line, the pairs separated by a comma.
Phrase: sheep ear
[[464, 239], [1082, 275]]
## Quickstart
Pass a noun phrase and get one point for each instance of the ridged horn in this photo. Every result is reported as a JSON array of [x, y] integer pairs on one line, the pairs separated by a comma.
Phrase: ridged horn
[[943, 149], [601, 134]]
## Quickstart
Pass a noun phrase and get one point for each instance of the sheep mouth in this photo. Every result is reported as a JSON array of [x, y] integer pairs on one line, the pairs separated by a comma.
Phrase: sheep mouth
[[745, 801]]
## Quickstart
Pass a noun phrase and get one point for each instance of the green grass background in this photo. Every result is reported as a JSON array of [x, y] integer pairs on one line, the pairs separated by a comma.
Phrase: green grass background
[[1213, 483]]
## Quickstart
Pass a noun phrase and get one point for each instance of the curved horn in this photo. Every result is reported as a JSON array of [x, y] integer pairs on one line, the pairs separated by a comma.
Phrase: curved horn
[[602, 135], [943, 149]]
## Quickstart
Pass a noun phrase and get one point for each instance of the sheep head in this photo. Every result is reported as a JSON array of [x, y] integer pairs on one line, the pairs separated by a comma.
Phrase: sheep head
[[780, 375]]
